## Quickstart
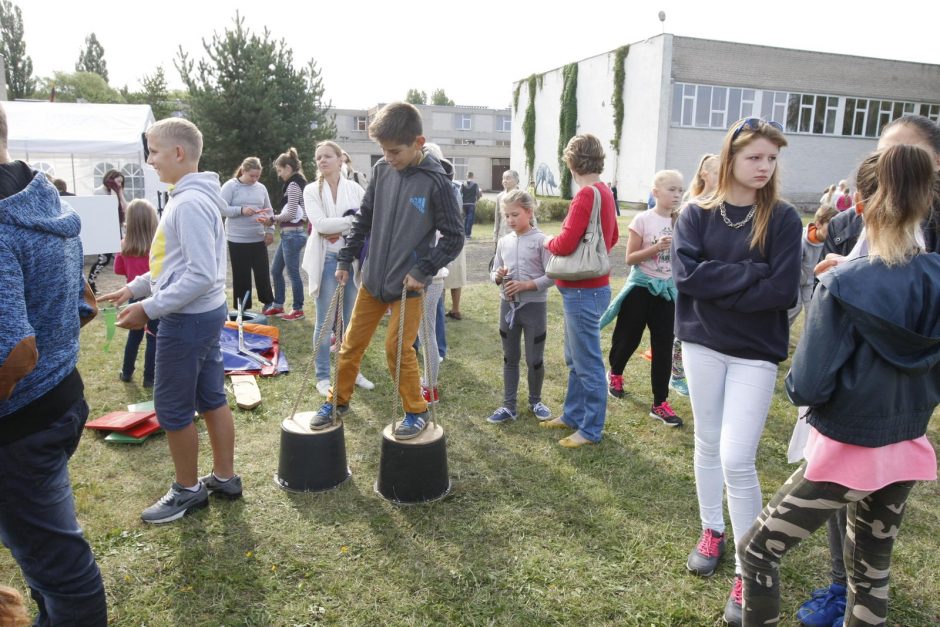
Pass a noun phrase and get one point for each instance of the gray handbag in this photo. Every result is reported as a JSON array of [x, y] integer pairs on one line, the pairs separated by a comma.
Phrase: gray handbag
[[589, 260]]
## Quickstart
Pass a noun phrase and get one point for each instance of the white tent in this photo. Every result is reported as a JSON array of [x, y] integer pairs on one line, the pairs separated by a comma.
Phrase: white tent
[[79, 142]]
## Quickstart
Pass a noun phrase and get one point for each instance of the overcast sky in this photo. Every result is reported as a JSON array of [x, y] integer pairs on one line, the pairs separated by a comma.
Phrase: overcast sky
[[374, 50]]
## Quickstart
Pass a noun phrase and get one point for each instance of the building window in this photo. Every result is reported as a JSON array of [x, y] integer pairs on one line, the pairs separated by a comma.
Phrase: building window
[[464, 122], [503, 143], [932, 112], [361, 123], [467, 142], [461, 167], [133, 181], [505, 124]]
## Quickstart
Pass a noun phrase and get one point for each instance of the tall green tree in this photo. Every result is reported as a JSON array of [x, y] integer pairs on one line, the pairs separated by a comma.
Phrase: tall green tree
[[19, 67], [438, 97], [77, 87], [416, 97], [154, 93], [91, 59], [248, 98]]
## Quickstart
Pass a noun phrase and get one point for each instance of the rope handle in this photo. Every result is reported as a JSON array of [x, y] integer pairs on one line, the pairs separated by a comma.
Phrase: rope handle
[[336, 315], [399, 407]]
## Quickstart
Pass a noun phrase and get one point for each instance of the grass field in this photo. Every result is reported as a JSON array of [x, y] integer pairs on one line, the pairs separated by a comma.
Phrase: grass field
[[532, 534]]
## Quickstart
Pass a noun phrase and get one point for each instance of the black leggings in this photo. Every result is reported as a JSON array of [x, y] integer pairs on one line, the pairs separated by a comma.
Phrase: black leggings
[[639, 310], [249, 258]]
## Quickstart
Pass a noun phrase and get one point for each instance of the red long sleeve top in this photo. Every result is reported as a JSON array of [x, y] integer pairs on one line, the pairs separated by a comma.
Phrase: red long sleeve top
[[575, 225]]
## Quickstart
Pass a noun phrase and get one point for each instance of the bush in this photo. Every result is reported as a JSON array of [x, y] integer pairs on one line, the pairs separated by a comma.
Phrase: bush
[[484, 212], [552, 209]]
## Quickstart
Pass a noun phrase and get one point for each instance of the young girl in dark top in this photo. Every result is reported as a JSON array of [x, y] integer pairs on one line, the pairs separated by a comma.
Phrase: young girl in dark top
[[736, 265], [867, 366]]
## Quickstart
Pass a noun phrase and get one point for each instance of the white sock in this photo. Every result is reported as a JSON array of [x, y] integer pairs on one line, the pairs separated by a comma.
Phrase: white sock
[[195, 488], [220, 479]]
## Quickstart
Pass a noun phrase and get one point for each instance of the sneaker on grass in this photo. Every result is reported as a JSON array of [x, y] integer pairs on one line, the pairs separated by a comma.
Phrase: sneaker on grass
[[364, 383], [175, 504], [615, 385], [824, 607], [679, 385], [229, 489], [296, 314], [323, 387], [411, 426], [734, 608], [324, 416], [665, 413], [541, 411], [273, 310], [703, 560], [501, 415]]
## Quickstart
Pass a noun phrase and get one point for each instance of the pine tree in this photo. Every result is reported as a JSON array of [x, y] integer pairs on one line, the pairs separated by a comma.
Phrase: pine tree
[[91, 59], [19, 67], [248, 98]]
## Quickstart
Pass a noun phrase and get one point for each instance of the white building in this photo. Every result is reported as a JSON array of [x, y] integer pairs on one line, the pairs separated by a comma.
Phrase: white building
[[475, 139], [680, 95]]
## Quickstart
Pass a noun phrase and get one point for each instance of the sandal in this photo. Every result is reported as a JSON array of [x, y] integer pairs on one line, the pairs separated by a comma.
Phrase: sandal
[[454, 314]]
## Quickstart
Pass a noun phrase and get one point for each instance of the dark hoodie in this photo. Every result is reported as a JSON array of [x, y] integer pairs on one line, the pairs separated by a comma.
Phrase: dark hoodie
[[399, 213], [867, 363], [41, 284]]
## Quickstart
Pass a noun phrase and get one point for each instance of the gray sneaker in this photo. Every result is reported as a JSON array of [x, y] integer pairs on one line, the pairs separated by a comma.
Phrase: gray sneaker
[[175, 504], [231, 489], [324, 416]]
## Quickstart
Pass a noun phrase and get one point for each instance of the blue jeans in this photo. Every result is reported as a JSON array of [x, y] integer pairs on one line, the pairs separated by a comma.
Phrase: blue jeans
[[439, 329], [134, 337], [586, 397], [288, 254], [327, 288], [469, 211], [38, 524]]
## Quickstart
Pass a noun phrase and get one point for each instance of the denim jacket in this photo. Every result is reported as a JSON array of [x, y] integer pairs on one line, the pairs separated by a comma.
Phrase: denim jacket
[[867, 363]]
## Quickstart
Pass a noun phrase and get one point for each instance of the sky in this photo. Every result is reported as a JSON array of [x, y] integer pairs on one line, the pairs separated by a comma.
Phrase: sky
[[372, 51]]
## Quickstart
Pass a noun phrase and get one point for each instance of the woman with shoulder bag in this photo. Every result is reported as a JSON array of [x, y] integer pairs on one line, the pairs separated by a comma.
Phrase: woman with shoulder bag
[[584, 300]]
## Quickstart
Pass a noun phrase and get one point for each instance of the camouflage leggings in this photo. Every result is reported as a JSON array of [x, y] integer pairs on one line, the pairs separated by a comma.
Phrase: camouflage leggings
[[799, 508]]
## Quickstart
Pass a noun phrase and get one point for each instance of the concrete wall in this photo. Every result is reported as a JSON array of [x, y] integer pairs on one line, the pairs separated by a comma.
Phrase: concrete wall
[[744, 65]]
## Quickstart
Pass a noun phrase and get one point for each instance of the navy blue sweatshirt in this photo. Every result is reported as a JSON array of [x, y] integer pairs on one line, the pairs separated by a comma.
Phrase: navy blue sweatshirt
[[733, 299]]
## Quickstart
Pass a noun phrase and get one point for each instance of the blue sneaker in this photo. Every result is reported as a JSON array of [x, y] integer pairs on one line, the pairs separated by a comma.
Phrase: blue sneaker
[[680, 386], [501, 415], [541, 411], [824, 607], [324, 416], [411, 426]]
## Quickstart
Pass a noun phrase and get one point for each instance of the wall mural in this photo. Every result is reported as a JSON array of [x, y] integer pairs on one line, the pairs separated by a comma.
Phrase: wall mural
[[545, 183]]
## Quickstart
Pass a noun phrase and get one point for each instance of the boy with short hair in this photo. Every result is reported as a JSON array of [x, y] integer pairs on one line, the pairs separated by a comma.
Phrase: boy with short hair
[[409, 197], [185, 289]]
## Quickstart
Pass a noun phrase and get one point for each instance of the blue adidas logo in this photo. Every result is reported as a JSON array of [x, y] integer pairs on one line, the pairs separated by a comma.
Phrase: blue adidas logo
[[419, 203]]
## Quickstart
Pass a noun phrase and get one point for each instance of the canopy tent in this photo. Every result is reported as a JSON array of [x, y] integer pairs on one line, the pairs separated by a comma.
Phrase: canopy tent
[[79, 142]]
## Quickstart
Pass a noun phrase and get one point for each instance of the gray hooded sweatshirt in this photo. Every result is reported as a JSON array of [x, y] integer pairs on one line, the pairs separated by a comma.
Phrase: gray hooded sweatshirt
[[400, 213], [187, 257]]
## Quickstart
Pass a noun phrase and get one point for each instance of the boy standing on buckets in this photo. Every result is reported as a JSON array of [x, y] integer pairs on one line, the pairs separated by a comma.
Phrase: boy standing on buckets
[[409, 197]]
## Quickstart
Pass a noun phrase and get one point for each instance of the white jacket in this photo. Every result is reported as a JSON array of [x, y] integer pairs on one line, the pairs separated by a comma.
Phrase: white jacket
[[326, 218]]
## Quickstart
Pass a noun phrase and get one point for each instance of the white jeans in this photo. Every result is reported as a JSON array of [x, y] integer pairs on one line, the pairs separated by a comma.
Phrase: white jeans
[[730, 399]]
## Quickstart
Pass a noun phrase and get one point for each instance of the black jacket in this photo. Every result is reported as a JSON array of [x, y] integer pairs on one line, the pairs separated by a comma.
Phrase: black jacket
[[844, 230], [867, 363]]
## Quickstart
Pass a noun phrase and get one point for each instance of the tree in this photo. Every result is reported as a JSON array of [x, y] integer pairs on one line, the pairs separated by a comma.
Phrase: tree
[[77, 87], [19, 67], [438, 97], [154, 93], [416, 97], [91, 59], [247, 98]]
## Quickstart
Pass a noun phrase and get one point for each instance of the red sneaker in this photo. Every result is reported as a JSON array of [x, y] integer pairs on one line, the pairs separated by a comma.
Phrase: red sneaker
[[665, 413], [426, 393], [273, 310], [297, 314]]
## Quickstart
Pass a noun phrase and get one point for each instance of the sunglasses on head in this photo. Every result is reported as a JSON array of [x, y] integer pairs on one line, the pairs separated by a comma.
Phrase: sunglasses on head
[[754, 124]]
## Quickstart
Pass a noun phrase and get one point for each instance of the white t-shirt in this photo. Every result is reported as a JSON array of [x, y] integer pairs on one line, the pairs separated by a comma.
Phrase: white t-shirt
[[652, 227]]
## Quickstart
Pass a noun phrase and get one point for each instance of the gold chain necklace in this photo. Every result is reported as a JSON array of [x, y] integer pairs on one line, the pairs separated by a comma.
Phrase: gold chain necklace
[[737, 225]]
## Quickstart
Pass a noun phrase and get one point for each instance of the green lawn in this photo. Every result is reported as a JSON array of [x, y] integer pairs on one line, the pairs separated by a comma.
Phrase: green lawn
[[532, 534]]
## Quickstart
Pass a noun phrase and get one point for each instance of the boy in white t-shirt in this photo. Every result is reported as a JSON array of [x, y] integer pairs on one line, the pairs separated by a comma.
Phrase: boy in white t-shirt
[[648, 299]]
